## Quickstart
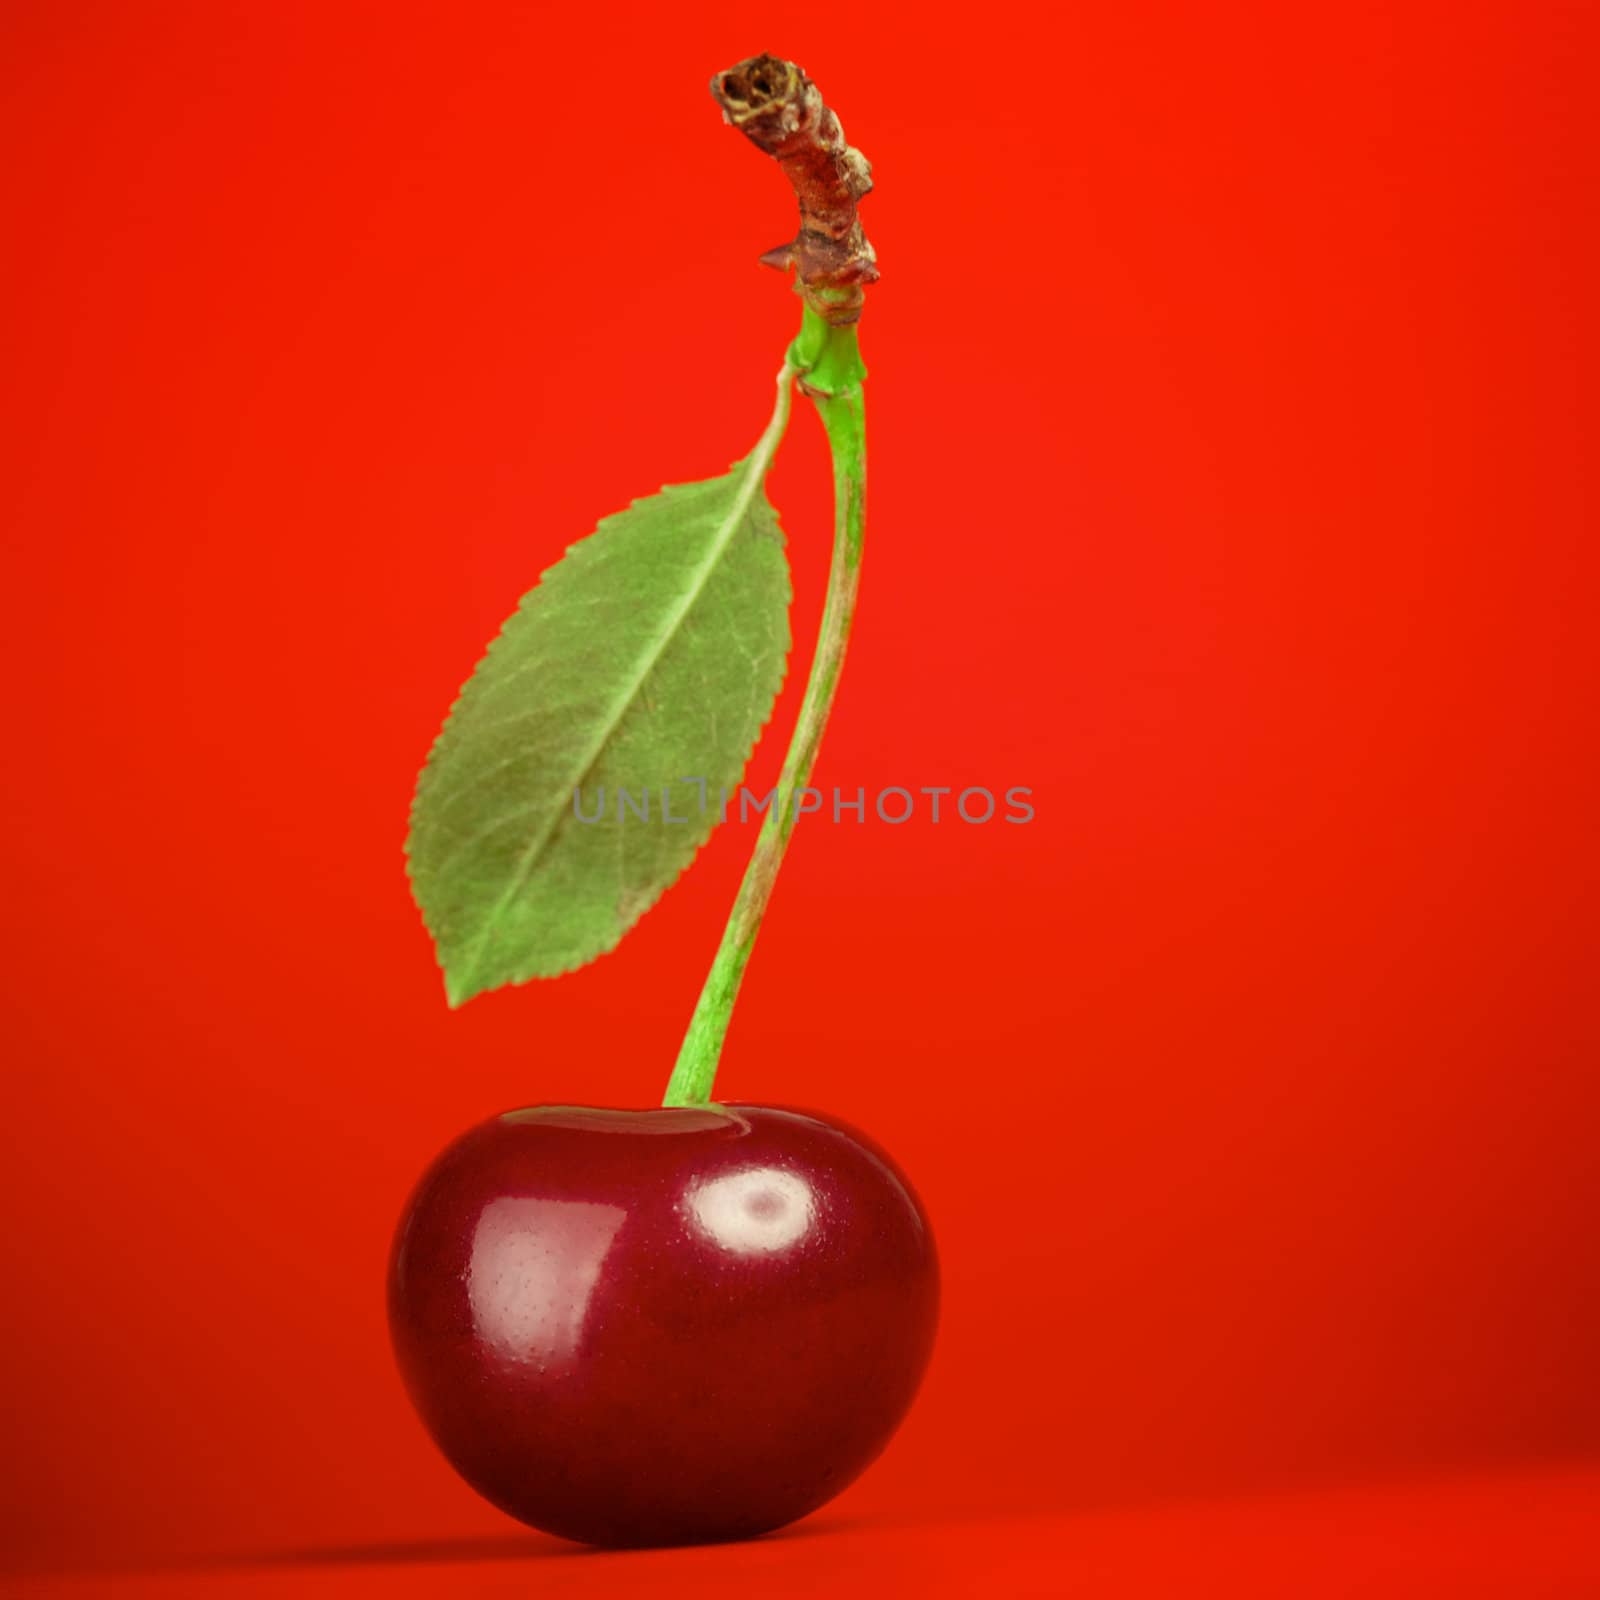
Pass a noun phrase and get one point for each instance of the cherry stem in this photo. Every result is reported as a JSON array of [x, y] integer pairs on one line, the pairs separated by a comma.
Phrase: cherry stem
[[827, 362]]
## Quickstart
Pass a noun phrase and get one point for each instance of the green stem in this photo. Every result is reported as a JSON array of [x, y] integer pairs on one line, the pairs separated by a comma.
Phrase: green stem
[[828, 362]]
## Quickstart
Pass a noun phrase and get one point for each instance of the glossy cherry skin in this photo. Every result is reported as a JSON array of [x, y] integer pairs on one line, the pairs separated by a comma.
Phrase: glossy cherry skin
[[662, 1327]]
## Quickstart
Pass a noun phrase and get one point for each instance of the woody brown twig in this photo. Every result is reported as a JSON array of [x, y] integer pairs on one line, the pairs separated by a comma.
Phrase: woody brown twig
[[778, 108]]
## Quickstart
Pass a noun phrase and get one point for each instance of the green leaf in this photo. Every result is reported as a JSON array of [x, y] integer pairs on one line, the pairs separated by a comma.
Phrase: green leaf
[[649, 655]]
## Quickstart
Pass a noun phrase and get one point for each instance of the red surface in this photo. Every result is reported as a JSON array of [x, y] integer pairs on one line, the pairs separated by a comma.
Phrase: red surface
[[1530, 1537], [1231, 487]]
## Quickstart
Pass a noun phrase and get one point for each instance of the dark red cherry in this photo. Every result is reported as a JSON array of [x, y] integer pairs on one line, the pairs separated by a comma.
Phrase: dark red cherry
[[662, 1327]]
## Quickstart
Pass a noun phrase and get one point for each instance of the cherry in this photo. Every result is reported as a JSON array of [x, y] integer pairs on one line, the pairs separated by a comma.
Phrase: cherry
[[661, 1327]]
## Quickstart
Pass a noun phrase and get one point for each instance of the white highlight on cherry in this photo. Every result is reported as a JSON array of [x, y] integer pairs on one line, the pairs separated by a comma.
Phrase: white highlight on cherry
[[756, 1211]]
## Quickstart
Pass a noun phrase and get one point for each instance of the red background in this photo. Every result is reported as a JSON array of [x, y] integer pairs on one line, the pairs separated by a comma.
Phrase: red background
[[1230, 488]]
